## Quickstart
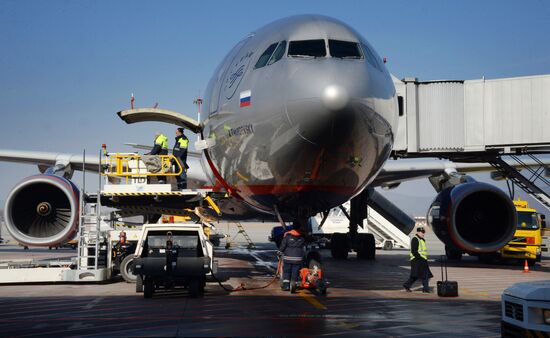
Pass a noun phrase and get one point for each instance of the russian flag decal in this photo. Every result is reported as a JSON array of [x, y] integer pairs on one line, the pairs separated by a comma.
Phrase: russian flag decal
[[245, 98]]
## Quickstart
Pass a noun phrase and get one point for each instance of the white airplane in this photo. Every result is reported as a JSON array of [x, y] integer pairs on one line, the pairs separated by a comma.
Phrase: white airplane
[[301, 118]]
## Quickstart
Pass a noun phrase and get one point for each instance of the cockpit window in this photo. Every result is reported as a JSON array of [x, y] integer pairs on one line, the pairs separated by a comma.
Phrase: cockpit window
[[307, 48], [278, 54], [344, 49], [372, 58], [262, 61]]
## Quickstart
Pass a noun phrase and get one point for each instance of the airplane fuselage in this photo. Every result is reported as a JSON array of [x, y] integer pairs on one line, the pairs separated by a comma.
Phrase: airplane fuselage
[[300, 115]]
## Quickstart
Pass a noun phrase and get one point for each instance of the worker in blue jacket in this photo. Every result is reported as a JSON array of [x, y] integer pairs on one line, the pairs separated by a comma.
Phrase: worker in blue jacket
[[292, 249]]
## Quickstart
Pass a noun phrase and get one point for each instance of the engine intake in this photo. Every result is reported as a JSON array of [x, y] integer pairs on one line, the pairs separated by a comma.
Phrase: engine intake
[[473, 217], [42, 210]]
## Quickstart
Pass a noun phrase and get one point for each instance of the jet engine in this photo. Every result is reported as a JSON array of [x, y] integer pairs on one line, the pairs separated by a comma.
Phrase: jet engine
[[473, 217], [42, 210]]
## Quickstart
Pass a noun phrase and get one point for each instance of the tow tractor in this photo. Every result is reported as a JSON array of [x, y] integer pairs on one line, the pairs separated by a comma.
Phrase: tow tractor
[[171, 256]]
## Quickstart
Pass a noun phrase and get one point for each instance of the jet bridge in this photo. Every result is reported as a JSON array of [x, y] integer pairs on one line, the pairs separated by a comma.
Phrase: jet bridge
[[481, 120]]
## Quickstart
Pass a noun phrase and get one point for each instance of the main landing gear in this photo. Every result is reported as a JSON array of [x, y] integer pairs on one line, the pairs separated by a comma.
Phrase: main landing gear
[[363, 244]]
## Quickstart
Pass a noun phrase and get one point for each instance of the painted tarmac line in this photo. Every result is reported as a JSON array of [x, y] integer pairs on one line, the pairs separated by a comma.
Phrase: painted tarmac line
[[261, 262], [311, 299], [93, 303]]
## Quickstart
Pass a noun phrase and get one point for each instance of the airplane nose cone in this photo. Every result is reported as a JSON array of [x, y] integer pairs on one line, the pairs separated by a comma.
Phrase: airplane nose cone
[[335, 97]]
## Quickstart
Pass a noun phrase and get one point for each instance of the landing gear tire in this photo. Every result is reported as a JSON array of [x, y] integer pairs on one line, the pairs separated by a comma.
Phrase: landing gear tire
[[314, 263], [366, 246], [313, 258], [293, 287], [194, 288], [339, 246], [127, 269], [453, 254], [148, 288], [139, 284]]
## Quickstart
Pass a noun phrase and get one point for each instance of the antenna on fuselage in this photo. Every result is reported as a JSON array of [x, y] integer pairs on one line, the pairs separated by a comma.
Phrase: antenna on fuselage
[[198, 102]]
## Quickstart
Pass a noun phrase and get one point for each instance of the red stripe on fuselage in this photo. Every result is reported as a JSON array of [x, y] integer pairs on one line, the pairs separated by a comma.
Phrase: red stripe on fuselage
[[288, 188]]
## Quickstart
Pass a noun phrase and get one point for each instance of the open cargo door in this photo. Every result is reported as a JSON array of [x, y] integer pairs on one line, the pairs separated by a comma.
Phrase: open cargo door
[[159, 115]]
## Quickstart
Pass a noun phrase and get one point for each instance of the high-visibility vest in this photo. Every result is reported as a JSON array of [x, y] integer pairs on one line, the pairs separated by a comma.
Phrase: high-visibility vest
[[184, 142], [422, 251], [162, 141]]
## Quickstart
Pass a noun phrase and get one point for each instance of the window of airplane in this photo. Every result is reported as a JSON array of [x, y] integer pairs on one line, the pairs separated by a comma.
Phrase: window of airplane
[[262, 61], [400, 105], [307, 48], [372, 58], [344, 49], [278, 54]]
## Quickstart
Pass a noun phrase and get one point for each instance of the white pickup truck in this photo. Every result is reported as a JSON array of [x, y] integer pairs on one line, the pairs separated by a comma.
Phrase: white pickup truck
[[526, 310]]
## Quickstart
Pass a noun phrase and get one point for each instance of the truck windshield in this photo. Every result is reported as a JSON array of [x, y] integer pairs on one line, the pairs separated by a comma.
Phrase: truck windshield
[[178, 241], [527, 221]]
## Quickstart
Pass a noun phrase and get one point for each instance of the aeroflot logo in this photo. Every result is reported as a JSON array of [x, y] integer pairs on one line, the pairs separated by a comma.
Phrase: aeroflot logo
[[235, 73], [238, 73]]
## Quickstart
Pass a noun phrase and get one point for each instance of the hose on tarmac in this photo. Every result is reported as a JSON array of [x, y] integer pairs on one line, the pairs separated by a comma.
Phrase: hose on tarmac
[[243, 287]]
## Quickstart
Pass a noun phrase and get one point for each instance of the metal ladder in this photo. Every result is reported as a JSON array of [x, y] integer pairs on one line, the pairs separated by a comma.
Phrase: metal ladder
[[91, 252], [527, 184], [243, 233]]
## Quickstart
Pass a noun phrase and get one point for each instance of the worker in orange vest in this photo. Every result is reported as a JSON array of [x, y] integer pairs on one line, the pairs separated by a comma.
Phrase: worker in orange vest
[[292, 249]]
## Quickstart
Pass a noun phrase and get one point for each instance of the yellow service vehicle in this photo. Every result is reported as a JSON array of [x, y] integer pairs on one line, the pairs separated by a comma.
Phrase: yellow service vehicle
[[527, 242]]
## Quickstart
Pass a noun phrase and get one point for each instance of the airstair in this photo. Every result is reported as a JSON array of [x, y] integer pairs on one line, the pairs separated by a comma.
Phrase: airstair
[[240, 231], [385, 233], [528, 184], [389, 231]]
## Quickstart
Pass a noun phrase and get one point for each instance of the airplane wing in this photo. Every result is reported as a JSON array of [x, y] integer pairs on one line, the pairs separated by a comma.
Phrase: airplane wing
[[397, 171], [393, 172], [44, 159]]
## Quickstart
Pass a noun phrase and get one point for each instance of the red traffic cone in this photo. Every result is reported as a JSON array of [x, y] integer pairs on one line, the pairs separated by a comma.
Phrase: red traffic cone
[[526, 267]]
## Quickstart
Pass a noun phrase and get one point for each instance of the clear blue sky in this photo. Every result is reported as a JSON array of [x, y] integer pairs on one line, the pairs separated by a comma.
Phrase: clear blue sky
[[66, 67]]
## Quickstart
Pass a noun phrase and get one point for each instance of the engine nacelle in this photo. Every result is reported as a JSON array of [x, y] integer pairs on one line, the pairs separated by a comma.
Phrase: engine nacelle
[[42, 210], [473, 217]]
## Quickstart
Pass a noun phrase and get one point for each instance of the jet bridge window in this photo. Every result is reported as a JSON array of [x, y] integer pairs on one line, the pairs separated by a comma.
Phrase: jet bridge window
[[344, 49], [307, 48], [262, 61]]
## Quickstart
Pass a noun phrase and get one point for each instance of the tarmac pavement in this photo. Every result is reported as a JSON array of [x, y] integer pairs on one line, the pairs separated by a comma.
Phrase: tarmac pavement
[[364, 298]]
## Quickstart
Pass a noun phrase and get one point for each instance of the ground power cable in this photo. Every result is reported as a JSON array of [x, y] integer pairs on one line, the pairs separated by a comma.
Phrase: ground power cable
[[243, 287]]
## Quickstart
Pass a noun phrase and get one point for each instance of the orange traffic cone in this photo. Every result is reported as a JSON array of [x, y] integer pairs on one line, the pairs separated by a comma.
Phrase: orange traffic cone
[[526, 267]]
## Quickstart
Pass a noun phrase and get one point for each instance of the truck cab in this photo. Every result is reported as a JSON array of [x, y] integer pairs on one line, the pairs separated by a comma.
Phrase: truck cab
[[170, 256], [527, 242]]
